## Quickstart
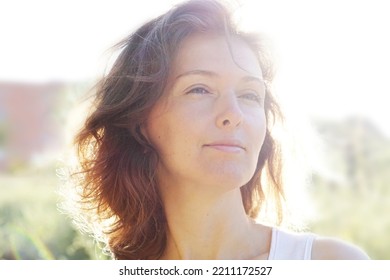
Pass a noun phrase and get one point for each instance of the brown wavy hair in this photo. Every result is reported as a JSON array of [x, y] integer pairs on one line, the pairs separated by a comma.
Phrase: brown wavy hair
[[118, 165]]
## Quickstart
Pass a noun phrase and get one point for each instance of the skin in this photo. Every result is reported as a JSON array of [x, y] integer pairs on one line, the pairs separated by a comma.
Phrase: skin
[[208, 129]]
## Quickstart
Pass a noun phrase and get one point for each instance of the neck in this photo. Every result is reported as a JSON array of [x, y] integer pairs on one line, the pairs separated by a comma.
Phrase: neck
[[204, 227]]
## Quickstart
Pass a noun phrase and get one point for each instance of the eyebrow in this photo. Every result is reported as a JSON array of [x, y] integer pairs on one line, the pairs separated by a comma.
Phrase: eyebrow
[[197, 72], [248, 78]]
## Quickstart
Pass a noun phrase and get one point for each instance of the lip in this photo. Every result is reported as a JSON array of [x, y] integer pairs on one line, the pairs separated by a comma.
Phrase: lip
[[230, 146]]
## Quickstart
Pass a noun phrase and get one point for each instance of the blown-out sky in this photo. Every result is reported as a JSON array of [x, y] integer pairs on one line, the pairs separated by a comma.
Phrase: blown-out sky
[[332, 57]]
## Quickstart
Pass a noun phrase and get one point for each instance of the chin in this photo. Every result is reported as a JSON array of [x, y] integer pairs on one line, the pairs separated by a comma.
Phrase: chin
[[231, 180]]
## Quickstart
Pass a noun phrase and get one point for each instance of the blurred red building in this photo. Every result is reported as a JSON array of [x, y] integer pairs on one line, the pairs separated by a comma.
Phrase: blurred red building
[[28, 123]]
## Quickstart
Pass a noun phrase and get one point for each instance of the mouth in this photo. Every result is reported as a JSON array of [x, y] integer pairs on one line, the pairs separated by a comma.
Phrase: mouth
[[226, 146]]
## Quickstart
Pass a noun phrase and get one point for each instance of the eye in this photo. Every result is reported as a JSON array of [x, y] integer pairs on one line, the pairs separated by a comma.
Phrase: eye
[[252, 96], [198, 90]]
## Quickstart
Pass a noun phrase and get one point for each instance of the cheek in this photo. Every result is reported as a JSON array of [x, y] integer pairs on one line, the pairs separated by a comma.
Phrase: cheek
[[155, 128], [158, 134], [258, 130], [169, 131]]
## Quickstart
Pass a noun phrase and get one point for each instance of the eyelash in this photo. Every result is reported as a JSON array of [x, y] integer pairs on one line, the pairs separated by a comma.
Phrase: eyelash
[[252, 96], [195, 89]]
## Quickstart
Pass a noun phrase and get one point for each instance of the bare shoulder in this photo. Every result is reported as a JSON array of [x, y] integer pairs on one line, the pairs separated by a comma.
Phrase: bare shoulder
[[333, 249]]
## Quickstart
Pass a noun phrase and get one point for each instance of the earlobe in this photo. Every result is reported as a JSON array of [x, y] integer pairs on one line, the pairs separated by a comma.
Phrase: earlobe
[[143, 137], [142, 132]]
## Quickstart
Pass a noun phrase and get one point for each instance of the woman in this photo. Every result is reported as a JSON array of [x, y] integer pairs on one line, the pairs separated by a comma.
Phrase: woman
[[178, 158]]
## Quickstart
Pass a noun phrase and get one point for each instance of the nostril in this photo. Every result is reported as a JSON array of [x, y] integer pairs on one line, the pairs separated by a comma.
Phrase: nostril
[[226, 122]]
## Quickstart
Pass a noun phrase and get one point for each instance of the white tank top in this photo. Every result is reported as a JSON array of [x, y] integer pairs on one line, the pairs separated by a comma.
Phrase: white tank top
[[290, 245]]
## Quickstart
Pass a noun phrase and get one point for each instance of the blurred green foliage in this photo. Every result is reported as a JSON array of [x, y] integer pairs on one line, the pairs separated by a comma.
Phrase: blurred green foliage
[[353, 197], [31, 227]]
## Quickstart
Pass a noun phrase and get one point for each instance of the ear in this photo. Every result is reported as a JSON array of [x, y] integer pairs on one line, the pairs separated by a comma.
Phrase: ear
[[143, 132]]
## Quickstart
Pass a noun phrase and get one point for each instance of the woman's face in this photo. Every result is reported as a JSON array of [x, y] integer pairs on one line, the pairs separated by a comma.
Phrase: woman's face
[[209, 126]]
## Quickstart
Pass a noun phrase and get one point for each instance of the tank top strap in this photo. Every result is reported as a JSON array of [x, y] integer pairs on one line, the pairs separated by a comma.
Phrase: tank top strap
[[287, 245]]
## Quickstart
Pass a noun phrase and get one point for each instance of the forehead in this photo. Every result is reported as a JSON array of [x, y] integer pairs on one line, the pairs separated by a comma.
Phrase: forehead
[[215, 53]]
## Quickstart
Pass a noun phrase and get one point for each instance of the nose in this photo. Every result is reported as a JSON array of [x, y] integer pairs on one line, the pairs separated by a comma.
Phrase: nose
[[229, 114]]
